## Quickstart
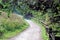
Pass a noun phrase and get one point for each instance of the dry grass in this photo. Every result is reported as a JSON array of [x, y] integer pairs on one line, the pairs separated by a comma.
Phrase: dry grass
[[13, 17]]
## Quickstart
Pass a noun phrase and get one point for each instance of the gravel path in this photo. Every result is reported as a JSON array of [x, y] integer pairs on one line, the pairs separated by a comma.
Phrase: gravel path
[[32, 33]]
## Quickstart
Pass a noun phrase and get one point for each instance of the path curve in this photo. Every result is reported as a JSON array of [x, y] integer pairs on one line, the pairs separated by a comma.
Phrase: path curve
[[32, 33]]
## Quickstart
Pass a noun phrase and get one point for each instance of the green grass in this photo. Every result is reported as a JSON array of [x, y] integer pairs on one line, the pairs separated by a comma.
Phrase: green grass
[[44, 34], [12, 34], [10, 27]]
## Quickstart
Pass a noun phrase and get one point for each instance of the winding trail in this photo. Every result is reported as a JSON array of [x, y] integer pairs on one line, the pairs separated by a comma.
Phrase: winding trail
[[31, 33]]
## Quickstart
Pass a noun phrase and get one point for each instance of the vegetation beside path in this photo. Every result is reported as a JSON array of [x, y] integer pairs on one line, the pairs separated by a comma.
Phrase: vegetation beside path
[[11, 26], [43, 30]]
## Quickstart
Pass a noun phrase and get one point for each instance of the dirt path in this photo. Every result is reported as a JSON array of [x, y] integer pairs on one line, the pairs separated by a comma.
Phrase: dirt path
[[32, 33]]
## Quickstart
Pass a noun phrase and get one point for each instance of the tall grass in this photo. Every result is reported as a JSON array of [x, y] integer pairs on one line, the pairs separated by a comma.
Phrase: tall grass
[[11, 26]]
